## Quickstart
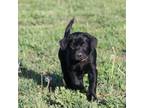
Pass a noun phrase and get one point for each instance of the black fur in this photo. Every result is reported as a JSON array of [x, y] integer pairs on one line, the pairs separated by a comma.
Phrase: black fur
[[77, 56]]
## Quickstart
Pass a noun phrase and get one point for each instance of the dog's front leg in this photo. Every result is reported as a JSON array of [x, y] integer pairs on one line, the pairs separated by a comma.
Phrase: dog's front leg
[[92, 76]]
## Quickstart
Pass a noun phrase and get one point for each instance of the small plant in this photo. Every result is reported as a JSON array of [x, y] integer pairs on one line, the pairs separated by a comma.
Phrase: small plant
[[69, 99]]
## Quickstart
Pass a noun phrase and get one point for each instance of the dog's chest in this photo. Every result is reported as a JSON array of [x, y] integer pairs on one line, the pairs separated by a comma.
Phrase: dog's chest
[[80, 67]]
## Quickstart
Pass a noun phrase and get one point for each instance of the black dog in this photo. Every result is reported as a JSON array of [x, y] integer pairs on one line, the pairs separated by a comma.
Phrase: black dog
[[77, 55]]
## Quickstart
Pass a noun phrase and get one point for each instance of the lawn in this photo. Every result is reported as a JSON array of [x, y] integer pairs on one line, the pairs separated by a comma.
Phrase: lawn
[[41, 26]]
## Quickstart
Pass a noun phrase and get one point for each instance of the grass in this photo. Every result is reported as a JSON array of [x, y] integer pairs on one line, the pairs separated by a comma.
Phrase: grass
[[41, 26]]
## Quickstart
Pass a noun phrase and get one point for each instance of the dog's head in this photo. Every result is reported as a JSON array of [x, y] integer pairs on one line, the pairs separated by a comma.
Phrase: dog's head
[[78, 44]]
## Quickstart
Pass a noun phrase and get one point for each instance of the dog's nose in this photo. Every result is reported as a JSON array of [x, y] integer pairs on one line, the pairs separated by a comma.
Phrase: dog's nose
[[79, 54]]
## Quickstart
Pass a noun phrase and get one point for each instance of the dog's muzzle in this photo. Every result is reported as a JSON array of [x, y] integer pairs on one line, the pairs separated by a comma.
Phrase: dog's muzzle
[[82, 57]]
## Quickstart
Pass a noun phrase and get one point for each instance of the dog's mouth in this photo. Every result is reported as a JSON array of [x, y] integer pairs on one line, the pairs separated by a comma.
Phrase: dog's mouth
[[84, 59]]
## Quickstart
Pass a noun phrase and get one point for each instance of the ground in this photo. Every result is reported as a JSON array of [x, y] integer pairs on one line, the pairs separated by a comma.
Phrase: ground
[[41, 26]]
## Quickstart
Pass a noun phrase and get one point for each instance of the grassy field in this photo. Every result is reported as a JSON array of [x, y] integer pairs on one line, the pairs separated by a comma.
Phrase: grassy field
[[41, 26]]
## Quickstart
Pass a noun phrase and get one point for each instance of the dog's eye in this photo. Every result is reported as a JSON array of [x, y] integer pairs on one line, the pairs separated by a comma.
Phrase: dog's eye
[[84, 45], [72, 46]]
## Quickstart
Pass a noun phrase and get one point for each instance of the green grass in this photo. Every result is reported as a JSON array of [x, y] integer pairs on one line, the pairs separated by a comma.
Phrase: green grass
[[41, 26]]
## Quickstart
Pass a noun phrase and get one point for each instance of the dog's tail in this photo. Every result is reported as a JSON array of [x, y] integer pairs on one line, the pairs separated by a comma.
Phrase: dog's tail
[[68, 28]]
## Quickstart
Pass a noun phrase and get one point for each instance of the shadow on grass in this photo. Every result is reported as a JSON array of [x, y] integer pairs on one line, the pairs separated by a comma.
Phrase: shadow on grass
[[51, 81], [48, 80]]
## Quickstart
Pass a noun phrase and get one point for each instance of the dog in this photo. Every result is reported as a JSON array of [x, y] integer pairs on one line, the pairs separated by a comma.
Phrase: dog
[[77, 55]]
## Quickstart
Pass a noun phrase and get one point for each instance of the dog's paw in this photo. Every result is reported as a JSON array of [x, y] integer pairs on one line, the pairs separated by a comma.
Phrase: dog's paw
[[91, 97]]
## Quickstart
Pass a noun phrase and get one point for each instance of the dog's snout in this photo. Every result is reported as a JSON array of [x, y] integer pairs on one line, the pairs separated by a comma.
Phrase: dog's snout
[[79, 54]]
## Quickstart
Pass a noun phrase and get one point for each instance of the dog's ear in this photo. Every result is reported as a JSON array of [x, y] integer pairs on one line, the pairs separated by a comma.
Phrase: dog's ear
[[63, 43], [93, 42]]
